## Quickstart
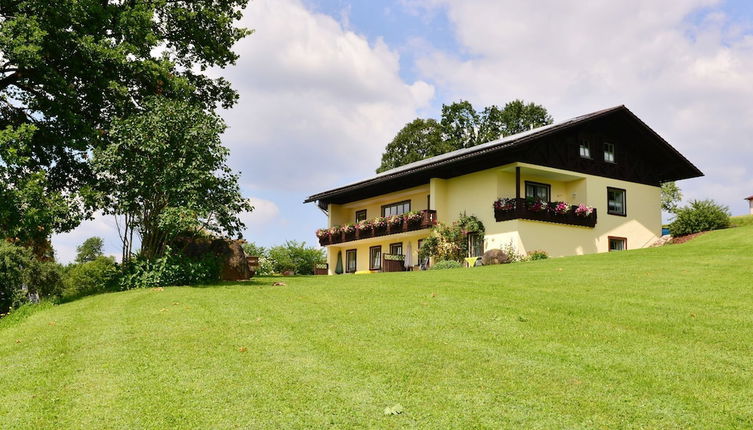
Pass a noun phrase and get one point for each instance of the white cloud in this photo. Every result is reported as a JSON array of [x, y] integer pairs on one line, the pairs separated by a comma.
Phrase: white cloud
[[318, 101], [101, 226], [265, 211], [689, 80]]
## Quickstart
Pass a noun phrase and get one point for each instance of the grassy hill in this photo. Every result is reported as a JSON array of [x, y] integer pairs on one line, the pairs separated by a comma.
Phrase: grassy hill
[[655, 338]]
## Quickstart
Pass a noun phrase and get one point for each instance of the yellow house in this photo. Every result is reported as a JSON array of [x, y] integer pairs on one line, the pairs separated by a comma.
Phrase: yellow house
[[604, 169]]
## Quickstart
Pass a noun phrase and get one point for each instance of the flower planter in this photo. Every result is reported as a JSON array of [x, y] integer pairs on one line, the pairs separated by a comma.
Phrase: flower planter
[[524, 211]]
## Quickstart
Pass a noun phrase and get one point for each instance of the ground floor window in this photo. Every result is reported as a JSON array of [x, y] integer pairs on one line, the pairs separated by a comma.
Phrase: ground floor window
[[396, 248], [375, 258], [350, 261], [475, 245], [617, 243]]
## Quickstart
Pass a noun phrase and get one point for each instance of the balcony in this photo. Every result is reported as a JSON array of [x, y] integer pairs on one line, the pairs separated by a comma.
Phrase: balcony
[[378, 227], [536, 210]]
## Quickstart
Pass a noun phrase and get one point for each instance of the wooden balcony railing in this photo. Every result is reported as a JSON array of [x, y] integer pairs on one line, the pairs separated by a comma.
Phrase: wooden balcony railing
[[525, 209], [393, 263], [428, 219]]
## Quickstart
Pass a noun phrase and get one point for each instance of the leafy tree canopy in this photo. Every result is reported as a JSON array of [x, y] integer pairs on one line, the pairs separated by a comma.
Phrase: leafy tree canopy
[[69, 67], [461, 126], [89, 250], [166, 174], [670, 196]]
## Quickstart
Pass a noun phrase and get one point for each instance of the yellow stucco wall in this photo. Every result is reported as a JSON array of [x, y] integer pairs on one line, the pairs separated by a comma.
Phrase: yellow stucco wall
[[475, 193], [362, 248], [346, 213]]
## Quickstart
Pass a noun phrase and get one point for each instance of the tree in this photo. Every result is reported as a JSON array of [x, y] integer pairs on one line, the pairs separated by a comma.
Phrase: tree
[[460, 127], [419, 139], [89, 250], [460, 124], [68, 68], [166, 174], [295, 256], [670, 196]]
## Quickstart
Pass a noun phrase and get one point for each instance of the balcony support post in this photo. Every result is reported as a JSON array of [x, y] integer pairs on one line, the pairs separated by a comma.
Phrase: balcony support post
[[517, 182]]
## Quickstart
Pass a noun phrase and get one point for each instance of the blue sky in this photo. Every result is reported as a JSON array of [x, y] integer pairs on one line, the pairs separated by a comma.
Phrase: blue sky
[[325, 85]]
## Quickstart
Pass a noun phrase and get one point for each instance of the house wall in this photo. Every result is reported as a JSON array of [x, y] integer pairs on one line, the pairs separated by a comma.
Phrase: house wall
[[362, 249], [346, 213], [474, 194]]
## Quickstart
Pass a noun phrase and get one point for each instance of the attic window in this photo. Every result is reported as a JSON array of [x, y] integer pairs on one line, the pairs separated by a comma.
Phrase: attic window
[[585, 149], [609, 152]]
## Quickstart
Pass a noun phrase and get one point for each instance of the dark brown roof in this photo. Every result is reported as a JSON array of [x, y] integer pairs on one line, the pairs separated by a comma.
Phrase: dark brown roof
[[459, 162]]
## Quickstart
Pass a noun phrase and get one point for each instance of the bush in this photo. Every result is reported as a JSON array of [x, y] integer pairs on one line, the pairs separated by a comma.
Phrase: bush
[[296, 257], [446, 264], [46, 279], [93, 277], [169, 270], [14, 265], [537, 255], [495, 256], [700, 215]]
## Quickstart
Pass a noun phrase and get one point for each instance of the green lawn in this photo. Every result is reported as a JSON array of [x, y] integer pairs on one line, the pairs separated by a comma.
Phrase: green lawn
[[741, 220], [655, 338]]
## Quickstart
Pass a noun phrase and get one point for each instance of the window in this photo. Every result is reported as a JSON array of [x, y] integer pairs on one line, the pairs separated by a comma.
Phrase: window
[[396, 208], [616, 201], [396, 248], [375, 258], [617, 243], [361, 215], [350, 261], [475, 245], [609, 152], [537, 190], [585, 148]]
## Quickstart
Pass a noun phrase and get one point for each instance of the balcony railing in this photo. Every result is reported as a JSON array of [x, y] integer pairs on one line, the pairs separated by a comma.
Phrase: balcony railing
[[509, 209], [427, 219]]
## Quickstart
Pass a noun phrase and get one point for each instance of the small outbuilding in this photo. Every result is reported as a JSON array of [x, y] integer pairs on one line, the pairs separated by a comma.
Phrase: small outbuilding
[[750, 203]]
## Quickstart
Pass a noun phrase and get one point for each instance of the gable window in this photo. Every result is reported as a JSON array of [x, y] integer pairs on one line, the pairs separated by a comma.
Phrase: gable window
[[609, 152], [375, 258], [396, 208], [361, 215], [585, 148], [616, 201], [617, 243], [475, 245], [538, 191], [350, 261], [396, 248]]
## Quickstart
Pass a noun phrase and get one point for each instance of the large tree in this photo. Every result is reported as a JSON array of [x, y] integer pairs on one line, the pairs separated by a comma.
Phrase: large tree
[[461, 126], [69, 67], [419, 139], [166, 174]]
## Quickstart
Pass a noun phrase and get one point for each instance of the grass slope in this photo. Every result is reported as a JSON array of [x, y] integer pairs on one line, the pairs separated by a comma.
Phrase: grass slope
[[655, 338]]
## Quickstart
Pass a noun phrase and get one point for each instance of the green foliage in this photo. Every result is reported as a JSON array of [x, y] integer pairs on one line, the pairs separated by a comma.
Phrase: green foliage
[[699, 215], [14, 263], [296, 257], [670, 196], [92, 277], [450, 241], [537, 255], [89, 250], [167, 174], [446, 264], [70, 67], [265, 264], [171, 269], [461, 126], [419, 139], [512, 253], [46, 279]]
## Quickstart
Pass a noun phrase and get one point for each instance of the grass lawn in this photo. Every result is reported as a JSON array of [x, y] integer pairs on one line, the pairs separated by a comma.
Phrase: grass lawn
[[741, 220], [655, 338]]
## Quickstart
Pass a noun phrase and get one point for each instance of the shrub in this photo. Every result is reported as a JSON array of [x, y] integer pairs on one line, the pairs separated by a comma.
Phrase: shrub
[[14, 264], [93, 277], [446, 264], [450, 242], [296, 257], [512, 253], [495, 256], [169, 270], [537, 255], [700, 215], [46, 279]]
